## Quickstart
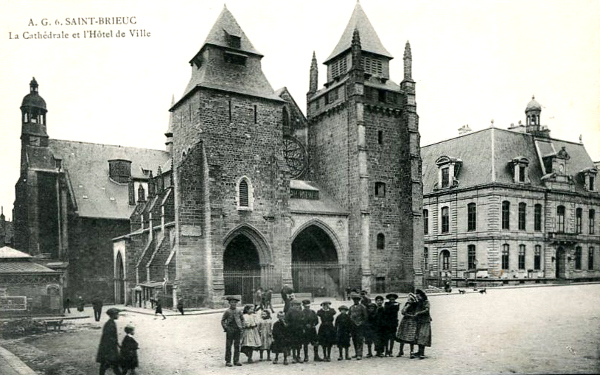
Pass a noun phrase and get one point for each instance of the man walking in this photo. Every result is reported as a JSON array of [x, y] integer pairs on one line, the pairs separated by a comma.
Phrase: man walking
[[108, 351], [233, 324], [97, 305]]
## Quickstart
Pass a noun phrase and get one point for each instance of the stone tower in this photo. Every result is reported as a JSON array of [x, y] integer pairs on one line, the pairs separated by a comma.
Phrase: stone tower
[[36, 191], [228, 166], [363, 144]]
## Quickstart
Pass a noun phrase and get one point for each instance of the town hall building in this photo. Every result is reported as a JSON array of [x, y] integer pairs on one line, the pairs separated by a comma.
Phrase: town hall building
[[250, 192]]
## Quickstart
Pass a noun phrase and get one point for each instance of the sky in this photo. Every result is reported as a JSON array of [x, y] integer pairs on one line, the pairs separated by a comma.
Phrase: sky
[[474, 61]]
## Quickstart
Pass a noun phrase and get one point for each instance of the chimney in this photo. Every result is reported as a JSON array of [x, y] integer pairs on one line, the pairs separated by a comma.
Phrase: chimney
[[464, 129]]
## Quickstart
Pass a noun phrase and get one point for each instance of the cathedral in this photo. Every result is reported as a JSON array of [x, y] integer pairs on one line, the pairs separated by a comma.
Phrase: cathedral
[[249, 192]]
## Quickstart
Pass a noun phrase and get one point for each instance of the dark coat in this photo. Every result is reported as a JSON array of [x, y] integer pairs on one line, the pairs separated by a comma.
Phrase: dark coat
[[343, 326], [129, 357], [310, 320], [108, 351], [232, 320], [327, 333], [390, 316], [281, 342], [295, 321]]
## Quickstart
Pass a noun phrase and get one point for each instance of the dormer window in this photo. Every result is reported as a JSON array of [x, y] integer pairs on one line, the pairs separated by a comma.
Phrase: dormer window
[[588, 176], [520, 167], [449, 169], [235, 58]]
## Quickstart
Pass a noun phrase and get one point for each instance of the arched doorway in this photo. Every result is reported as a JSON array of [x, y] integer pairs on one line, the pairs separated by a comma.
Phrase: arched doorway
[[119, 280], [561, 263], [241, 268], [315, 265]]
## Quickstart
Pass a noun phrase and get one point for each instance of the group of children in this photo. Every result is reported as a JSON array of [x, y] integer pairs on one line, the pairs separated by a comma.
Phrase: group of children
[[374, 324]]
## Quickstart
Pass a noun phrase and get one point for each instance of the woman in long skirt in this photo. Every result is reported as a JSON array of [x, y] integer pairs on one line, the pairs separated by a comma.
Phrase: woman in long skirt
[[423, 324], [407, 330], [250, 337]]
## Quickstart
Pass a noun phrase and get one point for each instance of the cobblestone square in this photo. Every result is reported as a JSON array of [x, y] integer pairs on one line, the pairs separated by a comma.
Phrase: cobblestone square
[[521, 330]]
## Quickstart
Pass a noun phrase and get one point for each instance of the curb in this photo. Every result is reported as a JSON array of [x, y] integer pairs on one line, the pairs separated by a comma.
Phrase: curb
[[15, 364]]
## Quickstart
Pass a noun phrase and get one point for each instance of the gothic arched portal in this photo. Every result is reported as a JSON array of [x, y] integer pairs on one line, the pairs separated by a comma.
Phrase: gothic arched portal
[[315, 265], [241, 267]]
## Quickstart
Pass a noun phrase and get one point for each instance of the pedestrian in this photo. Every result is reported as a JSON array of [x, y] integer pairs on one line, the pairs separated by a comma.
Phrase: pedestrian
[[423, 318], [370, 328], [67, 305], [380, 327], [80, 304], [158, 309], [266, 300], [250, 336], [358, 316], [390, 310], [265, 328], [258, 299], [108, 351], [97, 305], [280, 338], [295, 321], [180, 306], [311, 321], [129, 347], [407, 330], [286, 296], [343, 327], [348, 291], [326, 335], [233, 324]]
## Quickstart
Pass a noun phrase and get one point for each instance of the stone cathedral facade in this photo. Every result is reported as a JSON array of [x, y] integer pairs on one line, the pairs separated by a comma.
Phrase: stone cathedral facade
[[255, 193]]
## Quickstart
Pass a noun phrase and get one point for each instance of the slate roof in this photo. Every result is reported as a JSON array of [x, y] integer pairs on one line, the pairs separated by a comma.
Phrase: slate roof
[[226, 23], [214, 73], [94, 192], [486, 157], [369, 40], [324, 205], [23, 267]]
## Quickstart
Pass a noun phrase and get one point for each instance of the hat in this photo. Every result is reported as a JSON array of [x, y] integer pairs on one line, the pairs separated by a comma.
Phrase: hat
[[355, 295], [112, 311], [379, 298], [294, 302], [392, 295], [412, 297], [343, 307], [325, 303], [232, 298], [129, 328], [306, 302]]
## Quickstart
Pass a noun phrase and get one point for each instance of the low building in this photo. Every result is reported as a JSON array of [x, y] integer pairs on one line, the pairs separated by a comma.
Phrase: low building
[[28, 288], [510, 207]]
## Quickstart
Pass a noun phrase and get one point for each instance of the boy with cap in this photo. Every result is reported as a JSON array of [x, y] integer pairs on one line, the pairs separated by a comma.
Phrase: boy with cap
[[343, 326], [233, 324], [295, 321], [326, 336], [379, 323], [390, 311], [280, 338], [358, 316], [310, 330], [108, 351]]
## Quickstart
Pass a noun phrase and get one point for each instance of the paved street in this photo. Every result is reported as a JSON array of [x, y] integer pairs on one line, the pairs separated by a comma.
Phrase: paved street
[[528, 330]]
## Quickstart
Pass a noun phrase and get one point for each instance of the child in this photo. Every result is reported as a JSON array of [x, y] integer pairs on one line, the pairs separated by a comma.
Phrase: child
[[407, 330], [250, 336], [343, 326], [326, 336], [280, 338], [266, 333], [295, 325], [129, 347], [311, 321]]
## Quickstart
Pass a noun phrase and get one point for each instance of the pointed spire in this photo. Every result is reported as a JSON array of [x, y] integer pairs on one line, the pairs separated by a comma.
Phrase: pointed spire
[[313, 84], [370, 41], [407, 62], [226, 26], [169, 132]]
